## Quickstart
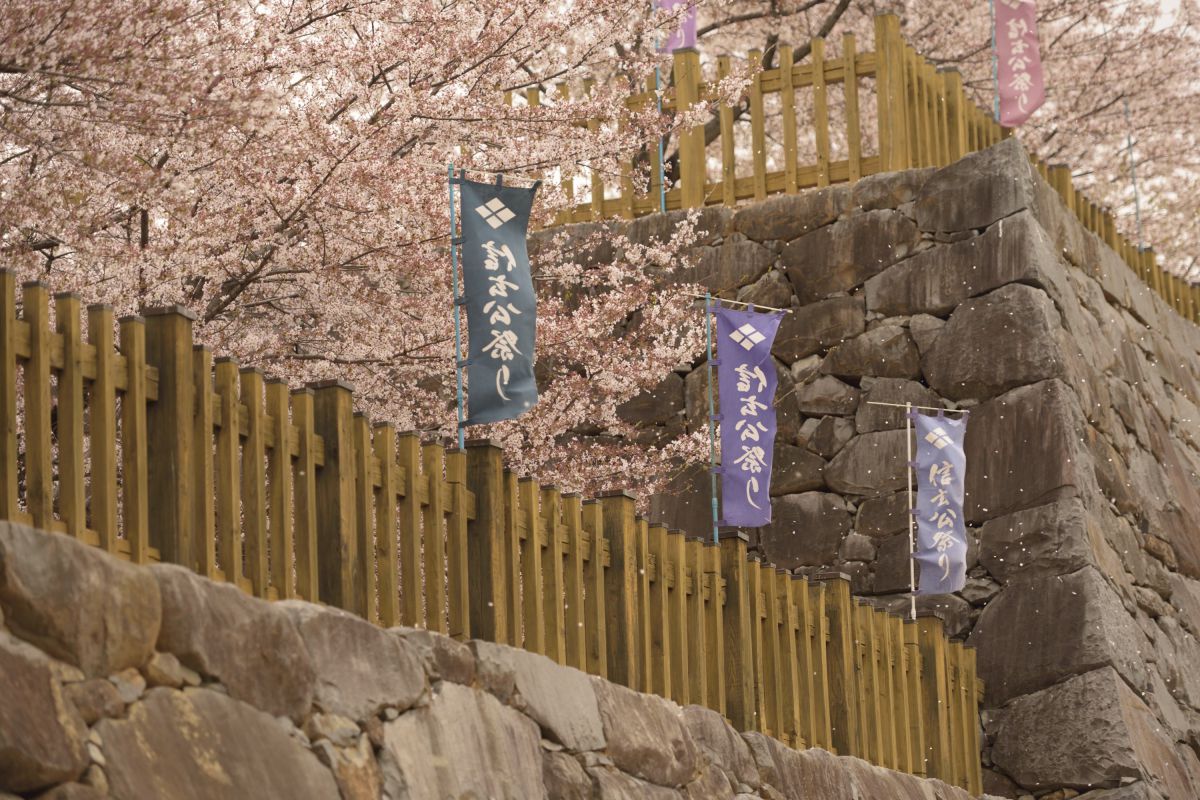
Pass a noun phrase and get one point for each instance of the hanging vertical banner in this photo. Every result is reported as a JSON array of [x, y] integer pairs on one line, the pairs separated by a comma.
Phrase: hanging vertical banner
[[685, 34], [941, 533], [746, 382], [501, 306], [1019, 64]]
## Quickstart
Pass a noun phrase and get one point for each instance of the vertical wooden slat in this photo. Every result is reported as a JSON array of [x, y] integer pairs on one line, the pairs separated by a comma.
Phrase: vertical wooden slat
[[866, 649], [677, 616], [102, 427], [229, 500], [203, 470], [39, 466], [885, 97], [790, 659], [642, 545], [434, 524], [787, 102], [820, 111], [916, 696], [719, 597], [596, 618], [597, 180], [728, 158], [956, 138], [552, 576], [758, 136], [254, 479], [844, 701], [513, 522], [486, 563], [333, 421], [763, 721], [620, 585], [412, 600], [279, 470], [821, 664], [737, 617], [9, 493], [387, 557], [971, 722], [917, 131], [697, 651], [957, 724], [304, 480], [660, 619], [363, 567], [931, 643], [71, 503], [532, 599], [457, 557], [942, 110], [654, 151], [809, 686], [853, 125], [573, 582], [900, 700], [772, 670], [135, 482], [691, 141], [169, 428]]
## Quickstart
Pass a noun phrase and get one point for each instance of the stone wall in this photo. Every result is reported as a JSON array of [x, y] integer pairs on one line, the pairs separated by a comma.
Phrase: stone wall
[[973, 287], [151, 682]]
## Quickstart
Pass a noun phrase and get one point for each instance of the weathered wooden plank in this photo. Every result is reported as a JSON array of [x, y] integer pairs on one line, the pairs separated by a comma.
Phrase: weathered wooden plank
[[691, 141], [787, 102], [820, 111], [102, 428], [791, 659], [758, 137], [853, 124], [595, 603], [717, 598], [696, 624], [845, 725], [412, 599], [135, 482], [677, 617], [304, 481], [532, 594], [916, 698], [737, 618], [728, 159], [39, 464], [434, 518], [9, 491], [254, 479], [620, 588], [641, 544], [279, 472], [552, 576], [573, 582], [204, 525], [660, 620], [487, 567], [72, 505], [229, 499], [363, 568], [934, 682], [333, 413]]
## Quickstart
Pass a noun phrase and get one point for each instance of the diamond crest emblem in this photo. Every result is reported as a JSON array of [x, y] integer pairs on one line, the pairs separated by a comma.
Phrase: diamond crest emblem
[[939, 438], [747, 336], [494, 212]]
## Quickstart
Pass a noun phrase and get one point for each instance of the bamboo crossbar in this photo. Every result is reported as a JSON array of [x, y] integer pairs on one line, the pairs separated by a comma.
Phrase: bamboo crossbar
[[129, 437], [924, 118]]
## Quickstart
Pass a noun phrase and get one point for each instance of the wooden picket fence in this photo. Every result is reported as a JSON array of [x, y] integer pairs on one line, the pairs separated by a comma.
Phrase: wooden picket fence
[[924, 119], [153, 452]]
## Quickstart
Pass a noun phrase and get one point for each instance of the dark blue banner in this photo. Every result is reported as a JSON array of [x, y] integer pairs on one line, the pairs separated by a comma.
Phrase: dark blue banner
[[500, 301], [941, 467]]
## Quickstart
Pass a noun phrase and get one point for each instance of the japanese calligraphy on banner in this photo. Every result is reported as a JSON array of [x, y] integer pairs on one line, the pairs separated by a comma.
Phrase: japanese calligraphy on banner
[[685, 16], [1019, 64], [501, 306], [746, 382], [940, 467]]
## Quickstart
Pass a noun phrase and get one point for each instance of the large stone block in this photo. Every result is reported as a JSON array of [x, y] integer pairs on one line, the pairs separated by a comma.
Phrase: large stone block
[[41, 735], [841, 256], [1042, 629], [772, 289], [890, 390], [1088, 731], [200, 743], [887, 352], [734, 263], [359, 668], [646, 735], [824, 395], [806, 530], [249, 645], [723, 746], [888, 189], [936, 281], [882, 516], [994, 343], [818, 326], [795, 470], [871, 464], [76, 602], [787, 216], [560, 699], [1046, 540], [464, 743], [564, 777], [612, 784], [977, 190]]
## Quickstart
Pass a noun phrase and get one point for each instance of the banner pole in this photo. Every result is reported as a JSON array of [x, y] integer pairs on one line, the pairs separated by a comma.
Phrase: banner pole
[[712, 423], [912, 546], [995, 64], [457, 308], [662, 169]]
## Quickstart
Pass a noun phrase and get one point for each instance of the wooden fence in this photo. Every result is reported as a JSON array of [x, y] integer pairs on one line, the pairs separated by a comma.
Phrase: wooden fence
[[924, 119], [153, 452]]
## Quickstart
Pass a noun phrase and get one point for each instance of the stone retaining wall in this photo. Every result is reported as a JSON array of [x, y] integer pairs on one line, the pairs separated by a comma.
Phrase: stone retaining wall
[[973, 287], [151, 682]]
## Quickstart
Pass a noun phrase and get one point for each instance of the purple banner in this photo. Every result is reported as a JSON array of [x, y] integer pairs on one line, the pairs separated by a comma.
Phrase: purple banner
[[684, 34], [1019, 64], [746, 381], [941, 535]]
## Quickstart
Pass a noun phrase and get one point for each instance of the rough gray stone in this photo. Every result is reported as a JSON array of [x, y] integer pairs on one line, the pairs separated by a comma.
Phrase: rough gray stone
[[198, 743], [795, 470], [882, 516], [871, 464], [76, 602], [646, 735], [354, 769], [464, 743], [825, 394], [977, 190], [925, 330], [892, 572], [249, 645], [829, 436], [564, 777], [1046, 540], [1042, 629], [787, 216], [1133, 791], [713, 784], [359, 667], [94, 699], [129, 683], [806, 530], [856, 547], [994, 343], [818, 326], [841, 256], [560, 699], [723, 746], [41, 734], [612, 784], [164, 669], [729, 265], [660, 405], [890, 390], [887, 352], [888, 189], [444, 658], [771, 290]]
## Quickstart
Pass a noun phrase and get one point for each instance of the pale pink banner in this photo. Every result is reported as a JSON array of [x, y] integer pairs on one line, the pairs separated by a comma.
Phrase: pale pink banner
[[1021, 83], [685, 34]]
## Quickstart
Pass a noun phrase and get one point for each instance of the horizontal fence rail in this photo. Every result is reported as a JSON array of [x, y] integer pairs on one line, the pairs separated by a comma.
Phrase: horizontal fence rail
[[135, 440], [924, 119]]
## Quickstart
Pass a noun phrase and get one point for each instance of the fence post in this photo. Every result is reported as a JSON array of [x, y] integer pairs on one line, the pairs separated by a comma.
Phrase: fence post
[[661, 621], [932, 645], [736, 621], [486, 563], [8, 394], [843, 691], [336, 528], [169, 432], [72, 504], [696, 623], [102, 427], [620, 586], [691, 142], [916, 698], [955, 118], [677, 614], [595, 603], [573, 582], [889, 89]]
